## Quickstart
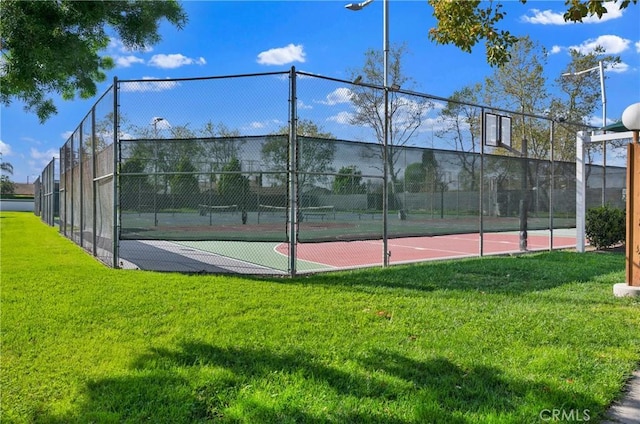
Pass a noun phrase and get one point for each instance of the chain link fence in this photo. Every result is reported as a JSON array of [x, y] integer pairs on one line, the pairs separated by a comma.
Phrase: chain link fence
[[249, 173], [46, 194]]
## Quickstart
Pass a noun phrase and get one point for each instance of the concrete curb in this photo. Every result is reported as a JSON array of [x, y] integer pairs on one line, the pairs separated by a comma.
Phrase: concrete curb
[[627, 410]]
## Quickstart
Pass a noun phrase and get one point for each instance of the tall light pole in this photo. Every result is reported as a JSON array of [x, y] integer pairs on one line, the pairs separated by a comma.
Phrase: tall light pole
[[385, 141], [600, 69], [154, 121]]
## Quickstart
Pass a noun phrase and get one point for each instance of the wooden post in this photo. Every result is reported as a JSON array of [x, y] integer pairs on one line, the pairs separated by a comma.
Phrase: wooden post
[[633, 213]]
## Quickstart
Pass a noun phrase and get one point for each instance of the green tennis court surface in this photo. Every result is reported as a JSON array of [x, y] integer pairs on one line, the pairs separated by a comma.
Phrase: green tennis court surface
[[272, 257]]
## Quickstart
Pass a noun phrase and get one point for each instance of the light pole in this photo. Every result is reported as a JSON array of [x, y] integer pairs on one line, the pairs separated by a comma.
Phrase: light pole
[[600, 69], [385, 142], [154, 121]]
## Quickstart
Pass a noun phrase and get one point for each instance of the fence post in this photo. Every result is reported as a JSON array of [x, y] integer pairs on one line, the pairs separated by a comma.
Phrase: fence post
[[72, 209], [116, 150], [94, 184], [483, 140], [552, 183], [293, 173], [81, 156], [581, 190]]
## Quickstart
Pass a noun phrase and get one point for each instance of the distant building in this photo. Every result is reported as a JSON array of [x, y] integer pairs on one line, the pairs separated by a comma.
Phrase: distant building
[[24, 189]]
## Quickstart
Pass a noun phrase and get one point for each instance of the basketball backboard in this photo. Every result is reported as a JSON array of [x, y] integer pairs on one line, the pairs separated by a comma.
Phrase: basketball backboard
[[497, 130]]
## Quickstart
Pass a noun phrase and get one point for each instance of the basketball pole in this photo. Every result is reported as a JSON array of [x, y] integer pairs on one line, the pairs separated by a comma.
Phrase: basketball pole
[[524, 199]]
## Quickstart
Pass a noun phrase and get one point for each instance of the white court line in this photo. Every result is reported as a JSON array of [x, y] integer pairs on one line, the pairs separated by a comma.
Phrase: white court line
[[432, 249], [178, 249], [304, 260]]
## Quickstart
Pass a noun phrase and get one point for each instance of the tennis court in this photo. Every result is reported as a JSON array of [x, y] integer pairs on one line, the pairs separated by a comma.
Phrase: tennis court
[[207, 200], [271, 258]]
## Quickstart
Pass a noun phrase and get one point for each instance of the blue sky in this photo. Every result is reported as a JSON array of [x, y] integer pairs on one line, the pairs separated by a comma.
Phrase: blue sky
[[322, 37]]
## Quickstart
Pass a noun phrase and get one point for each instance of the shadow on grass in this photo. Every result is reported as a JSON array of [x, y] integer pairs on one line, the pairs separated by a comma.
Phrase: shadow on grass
[[495, 274], [262, 386]]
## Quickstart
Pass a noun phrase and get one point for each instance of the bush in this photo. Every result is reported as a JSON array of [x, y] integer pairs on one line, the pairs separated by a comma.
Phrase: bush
[[605, 226]]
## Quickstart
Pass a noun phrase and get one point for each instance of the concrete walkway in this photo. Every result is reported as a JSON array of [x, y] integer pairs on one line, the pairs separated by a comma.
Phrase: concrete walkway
[[627, 410]]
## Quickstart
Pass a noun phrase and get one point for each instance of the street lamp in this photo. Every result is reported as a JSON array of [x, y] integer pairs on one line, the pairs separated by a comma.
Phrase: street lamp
[[385, 142], [155, 121], [600, 69]]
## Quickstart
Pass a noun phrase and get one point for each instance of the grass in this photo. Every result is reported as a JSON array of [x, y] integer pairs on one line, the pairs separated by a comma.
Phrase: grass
[[490, 340]]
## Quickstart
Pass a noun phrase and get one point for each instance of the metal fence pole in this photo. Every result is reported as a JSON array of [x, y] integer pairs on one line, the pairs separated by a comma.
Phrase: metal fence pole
[[293, 173], [483, 139], [581, 190], [115, 173], [81, 167], [552, 185], [94, 184], [71, 215]]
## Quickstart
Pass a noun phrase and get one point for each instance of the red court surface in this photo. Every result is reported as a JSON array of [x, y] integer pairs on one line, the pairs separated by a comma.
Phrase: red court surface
[[345, 254]]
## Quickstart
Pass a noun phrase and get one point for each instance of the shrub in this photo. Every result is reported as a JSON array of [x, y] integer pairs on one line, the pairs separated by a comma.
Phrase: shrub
[[605, 226]]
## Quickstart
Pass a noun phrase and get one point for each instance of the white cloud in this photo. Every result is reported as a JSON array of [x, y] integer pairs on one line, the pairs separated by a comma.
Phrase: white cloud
[[637, 47], [408, 109], [43, 158], [544, 17], [556, 49], [123, 58], [550, 17], [115, 44], [261, 125], [618, 68], [5, 149], [171, 61], [302, 105], [153, 85], [65, 135], [337, 96], [127, 61], [342, 118], [282, 55], [612, 44]]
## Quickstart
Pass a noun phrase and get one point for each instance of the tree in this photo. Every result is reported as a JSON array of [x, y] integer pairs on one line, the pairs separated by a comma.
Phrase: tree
[[53, 46], [6, 185], [233, 186], [315, 153], [349, 181], [405, 114], [184, 184], [227, 146], [461, 126], [465, 23], [434, 175], [520, 85], [134, 185], [415, 177], [580, 98], [6, 167]]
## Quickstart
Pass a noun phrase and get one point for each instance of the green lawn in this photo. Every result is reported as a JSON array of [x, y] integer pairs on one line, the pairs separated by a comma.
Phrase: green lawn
[[491, 340]]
